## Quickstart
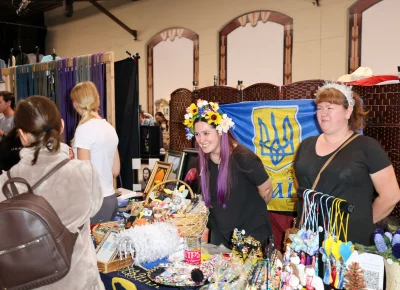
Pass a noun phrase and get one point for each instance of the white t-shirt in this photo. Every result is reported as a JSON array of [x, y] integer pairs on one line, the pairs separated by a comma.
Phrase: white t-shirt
[[98, 136]]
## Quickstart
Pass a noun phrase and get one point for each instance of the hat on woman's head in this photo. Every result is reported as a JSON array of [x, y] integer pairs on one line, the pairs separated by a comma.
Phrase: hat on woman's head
[[208, 112]]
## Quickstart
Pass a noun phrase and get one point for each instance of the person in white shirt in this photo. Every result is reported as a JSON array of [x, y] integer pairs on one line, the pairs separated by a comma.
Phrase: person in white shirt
[[96, 140]]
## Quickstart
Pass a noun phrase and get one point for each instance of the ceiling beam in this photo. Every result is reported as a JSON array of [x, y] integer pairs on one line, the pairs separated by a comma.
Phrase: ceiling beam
[[114, 18]]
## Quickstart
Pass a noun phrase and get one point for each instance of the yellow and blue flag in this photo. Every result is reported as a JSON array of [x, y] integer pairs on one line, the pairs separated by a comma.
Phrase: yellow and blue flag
[[273, 130]]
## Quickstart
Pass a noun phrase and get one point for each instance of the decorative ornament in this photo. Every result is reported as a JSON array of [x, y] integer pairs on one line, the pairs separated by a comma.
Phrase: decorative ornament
[[354, 278]]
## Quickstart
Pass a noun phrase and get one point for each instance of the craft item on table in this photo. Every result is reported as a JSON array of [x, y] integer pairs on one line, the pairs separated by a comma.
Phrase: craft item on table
[[197, 276], [335, 252], [148, 212], [224, 273], [187, 223], [158, 214], [245, 274], [125, 248], [153, 241], [137, 207], [354, 278], [311, 280], [100, 230], [245, 247], [129, 222], [290, 278], [181, 274]]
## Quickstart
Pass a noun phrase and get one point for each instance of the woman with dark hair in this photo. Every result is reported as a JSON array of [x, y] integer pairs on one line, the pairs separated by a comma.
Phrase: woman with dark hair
[[234, 183], [160, 118], [360, 168], [73, 191]]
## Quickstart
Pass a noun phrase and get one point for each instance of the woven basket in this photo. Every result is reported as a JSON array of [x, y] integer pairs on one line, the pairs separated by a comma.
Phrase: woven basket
[[189, 224], [99, 236]]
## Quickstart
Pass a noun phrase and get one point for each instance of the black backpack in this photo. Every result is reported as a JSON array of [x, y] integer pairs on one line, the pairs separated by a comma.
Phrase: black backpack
[[35, 247]]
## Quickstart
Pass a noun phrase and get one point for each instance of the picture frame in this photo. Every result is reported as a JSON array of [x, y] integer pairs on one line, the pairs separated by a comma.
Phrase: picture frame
[[190, 163], [108, 248], [144, 174], [175, 158], [160, 173]]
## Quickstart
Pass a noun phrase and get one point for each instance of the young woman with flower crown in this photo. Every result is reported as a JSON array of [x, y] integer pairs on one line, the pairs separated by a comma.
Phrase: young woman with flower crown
[[234, 183], [358, 170]]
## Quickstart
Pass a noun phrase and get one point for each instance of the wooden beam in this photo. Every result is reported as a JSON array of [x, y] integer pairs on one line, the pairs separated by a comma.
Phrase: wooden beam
[[110, 85], [114, 18]]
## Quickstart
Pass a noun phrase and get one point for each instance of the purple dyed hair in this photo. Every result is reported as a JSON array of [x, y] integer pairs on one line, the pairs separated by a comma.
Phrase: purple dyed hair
[[223, 180]]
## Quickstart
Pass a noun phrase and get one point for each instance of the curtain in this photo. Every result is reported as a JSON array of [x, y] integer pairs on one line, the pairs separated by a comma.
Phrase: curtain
[[127, 116]]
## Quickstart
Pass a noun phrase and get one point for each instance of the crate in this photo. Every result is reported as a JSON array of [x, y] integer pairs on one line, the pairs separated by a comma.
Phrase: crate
[[115, 265]]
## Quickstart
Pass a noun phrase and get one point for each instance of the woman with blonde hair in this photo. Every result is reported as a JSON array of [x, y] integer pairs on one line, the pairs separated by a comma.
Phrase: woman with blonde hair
[[96, 140]]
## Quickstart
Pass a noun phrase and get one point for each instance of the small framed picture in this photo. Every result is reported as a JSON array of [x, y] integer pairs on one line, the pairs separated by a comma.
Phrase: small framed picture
[[160, 173], [175, 158], [189, 166], [144, 176], [108, 247]]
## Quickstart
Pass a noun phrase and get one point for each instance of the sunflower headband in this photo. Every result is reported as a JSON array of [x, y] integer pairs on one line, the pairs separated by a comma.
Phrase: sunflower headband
[[211, 113]]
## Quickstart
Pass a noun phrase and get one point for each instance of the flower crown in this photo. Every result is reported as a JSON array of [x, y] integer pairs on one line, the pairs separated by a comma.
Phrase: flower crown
[[209, 111], [344, 89]]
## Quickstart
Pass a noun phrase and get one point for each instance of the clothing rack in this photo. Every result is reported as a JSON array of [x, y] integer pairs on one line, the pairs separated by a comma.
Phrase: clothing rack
[[107, 59], [344, 206]]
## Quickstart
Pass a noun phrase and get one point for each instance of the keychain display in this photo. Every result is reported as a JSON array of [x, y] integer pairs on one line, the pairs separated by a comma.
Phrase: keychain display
[[302, 252], [335, 251]]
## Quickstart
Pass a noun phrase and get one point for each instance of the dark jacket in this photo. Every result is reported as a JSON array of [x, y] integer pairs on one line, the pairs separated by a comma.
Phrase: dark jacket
[[10, 146]]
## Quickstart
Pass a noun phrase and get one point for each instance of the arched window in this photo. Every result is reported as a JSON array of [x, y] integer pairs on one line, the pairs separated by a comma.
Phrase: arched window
[[256, 47], [172, 62], [373, 38]]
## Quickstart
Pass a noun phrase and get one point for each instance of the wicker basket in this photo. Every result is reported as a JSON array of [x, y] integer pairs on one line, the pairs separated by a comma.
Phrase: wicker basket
[[189, 224], [99, 236], [115, 265]]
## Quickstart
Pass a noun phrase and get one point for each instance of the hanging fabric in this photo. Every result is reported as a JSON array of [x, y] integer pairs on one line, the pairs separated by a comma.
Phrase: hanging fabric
[[66, 79], [41, 79], [127, 116], [83, 69], [26, 82]]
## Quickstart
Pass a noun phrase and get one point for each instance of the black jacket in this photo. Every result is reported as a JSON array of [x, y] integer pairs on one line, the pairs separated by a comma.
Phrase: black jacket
[[10, 146]]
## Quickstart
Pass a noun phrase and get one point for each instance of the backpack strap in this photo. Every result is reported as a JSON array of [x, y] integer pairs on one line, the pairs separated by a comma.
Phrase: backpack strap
[[14, 189], [50, 173], [11, 181]]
